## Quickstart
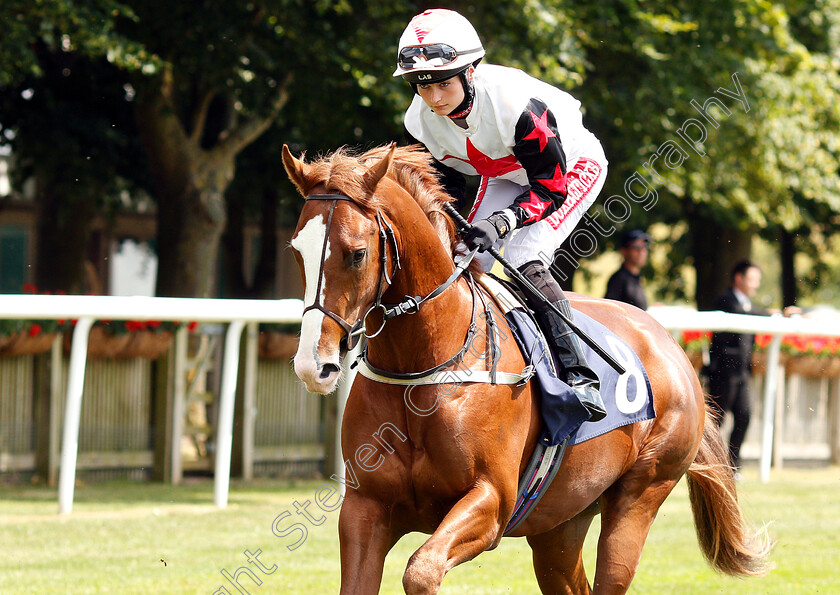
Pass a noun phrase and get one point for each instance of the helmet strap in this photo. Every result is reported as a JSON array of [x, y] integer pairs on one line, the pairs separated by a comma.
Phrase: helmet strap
[[465, 107]]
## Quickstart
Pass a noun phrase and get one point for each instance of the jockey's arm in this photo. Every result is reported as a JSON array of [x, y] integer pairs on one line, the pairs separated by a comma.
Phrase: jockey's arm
[[538, 148]]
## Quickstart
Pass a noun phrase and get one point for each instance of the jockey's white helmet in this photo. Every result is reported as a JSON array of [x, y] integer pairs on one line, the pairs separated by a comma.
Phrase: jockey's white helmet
[[436, 45]]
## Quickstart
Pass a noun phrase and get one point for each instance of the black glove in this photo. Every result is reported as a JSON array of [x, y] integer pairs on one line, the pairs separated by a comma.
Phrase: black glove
[[483, 234]]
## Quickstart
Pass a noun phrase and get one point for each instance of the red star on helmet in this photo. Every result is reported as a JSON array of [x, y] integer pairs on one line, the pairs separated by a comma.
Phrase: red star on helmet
[[541, 130], [556, 183], [486, 166]]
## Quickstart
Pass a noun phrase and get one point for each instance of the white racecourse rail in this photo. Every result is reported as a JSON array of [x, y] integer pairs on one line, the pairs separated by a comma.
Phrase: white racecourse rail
[[88, 309], [238, 313]]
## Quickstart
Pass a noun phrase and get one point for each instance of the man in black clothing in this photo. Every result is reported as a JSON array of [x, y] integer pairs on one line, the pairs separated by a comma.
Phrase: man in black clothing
[[730, 356], [625, 285]]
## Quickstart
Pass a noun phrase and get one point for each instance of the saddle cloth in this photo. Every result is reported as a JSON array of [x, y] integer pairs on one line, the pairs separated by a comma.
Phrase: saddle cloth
[[628, 397]]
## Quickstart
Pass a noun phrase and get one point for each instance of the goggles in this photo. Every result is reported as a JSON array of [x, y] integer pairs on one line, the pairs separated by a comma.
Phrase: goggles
[[414, 56]]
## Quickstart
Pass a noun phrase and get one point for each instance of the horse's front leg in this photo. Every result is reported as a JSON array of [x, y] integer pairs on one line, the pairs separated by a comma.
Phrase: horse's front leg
[[470, 527], [366, 536]]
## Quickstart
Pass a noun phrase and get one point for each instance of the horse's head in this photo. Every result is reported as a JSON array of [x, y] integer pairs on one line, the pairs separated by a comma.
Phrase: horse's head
[[338, 244]]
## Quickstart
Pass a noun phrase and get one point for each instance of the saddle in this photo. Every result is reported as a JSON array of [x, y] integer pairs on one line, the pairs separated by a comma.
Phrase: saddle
[[628, 397]]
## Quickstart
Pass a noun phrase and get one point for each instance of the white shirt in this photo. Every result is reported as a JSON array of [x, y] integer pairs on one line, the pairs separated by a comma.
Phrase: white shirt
[[520, 129]]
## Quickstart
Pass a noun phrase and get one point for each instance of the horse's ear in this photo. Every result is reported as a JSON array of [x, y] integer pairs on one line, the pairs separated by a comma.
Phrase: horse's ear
[[296, 169], [378, 170]]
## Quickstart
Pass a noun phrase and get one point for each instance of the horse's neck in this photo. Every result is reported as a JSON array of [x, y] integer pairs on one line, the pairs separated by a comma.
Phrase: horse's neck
[[414, 342]]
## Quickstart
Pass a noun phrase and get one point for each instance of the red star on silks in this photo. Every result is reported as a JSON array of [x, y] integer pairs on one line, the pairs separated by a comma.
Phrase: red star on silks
[[541, 130], [486, 166], [534, 207], [557, 183]]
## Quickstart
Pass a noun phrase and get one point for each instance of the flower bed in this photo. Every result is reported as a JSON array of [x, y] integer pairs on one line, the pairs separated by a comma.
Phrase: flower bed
[[127, 339], [694, 343], [29, 337], [108, 339], [807, 355]]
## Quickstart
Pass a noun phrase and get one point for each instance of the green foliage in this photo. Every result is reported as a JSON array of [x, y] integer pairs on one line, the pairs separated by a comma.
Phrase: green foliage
[[33, 328], [635, 67], [86, 27]]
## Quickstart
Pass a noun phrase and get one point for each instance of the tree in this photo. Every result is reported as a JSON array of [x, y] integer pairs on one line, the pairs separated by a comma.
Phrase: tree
[[65, 113], [731, 169], [224, 81], [220, 86]]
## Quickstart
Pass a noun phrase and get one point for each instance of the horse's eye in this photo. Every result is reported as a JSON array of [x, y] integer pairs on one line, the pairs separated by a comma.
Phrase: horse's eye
[[358, 257]]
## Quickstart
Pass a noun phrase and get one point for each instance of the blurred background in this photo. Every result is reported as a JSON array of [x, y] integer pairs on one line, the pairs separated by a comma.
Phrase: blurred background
[[140, 140]]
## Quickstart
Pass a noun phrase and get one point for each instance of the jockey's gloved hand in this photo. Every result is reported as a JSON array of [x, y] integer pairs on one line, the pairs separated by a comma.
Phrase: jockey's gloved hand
[[483, 234]]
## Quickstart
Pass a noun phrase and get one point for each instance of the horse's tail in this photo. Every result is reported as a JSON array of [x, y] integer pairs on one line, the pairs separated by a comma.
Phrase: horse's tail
[[729, 543]]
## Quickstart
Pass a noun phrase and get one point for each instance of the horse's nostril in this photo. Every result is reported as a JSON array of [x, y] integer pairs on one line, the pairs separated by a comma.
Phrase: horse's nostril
[[328, 369]]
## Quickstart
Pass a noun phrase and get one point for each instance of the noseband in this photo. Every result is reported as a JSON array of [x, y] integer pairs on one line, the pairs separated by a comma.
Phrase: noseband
[[386, 238]]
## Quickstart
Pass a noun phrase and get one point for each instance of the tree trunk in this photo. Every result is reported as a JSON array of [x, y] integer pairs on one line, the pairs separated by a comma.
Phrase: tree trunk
[[788, 254], [193, 165], [234, 240], [234, 284], [64, 230], [190, 226], [266, 271], [715, 248], [190, 185]]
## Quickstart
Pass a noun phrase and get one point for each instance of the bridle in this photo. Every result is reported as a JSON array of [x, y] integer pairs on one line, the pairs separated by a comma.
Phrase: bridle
[[386, 238], [409, 305]]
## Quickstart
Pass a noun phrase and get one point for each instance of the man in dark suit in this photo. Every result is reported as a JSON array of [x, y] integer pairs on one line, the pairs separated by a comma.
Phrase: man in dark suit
[[625, 285], [730, 355]]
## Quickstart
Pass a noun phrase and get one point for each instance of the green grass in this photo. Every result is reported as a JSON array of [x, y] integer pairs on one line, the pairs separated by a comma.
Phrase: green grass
[[120, 534]]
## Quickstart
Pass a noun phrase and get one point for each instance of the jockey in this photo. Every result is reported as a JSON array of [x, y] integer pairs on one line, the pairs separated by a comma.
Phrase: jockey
[[540, 167]]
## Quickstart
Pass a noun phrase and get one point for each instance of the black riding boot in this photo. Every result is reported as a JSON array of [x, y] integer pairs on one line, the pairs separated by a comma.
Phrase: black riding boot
[[565, 343]]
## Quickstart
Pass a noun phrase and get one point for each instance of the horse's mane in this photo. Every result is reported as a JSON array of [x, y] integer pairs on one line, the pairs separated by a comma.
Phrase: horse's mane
[[411, 168]]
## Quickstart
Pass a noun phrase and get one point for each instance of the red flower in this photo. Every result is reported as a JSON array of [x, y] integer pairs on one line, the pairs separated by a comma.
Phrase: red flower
[[29, 288], [134, 325], [692, 339], [192, 326], [153, 323], [35, 329], [763, 341]]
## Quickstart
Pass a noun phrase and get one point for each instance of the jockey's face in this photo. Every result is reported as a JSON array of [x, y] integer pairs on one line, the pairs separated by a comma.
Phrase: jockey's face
[[443, 97]]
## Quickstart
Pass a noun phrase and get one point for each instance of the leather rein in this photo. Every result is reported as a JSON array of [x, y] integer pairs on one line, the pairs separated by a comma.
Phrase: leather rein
[[409, 305]]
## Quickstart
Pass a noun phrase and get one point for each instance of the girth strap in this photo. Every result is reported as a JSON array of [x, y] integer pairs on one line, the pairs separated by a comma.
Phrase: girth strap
[[456, 376]]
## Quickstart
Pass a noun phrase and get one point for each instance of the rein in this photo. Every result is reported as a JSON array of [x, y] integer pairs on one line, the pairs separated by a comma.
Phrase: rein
[[409, 305], [414, 377]]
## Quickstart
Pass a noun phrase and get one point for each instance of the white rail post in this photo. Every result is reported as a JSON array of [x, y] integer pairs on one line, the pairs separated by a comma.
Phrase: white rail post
[[227, 398], [771, 380], [249, 395], [179, 404], [72, 414]]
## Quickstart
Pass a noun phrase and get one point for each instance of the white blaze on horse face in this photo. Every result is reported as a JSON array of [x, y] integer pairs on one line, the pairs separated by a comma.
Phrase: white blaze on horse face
[[309, 242]]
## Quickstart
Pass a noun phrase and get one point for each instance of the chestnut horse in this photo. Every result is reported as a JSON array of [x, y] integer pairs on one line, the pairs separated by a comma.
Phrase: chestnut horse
[[372, 232]]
